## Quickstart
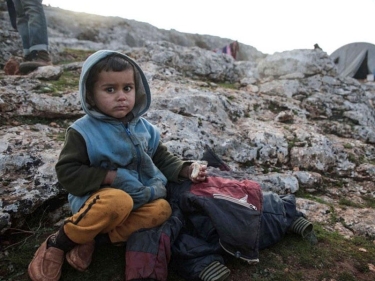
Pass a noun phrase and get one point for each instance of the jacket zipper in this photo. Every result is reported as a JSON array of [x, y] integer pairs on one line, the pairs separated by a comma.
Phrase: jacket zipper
[[136, 148], [242, 201]]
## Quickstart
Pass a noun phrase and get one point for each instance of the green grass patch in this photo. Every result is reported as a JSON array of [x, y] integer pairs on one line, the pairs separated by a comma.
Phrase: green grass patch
[[32, 120], [348, 146], [67, 83], [227, 86], [59, 136], [349, 203], [369, 201], [74, 55], [306, 195], [295, 259]]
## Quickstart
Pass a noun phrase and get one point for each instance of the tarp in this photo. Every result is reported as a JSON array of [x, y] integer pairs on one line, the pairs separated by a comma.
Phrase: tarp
[[355, 60]]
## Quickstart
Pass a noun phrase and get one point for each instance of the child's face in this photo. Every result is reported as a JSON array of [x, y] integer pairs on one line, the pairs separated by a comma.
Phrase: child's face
[[114, 93]]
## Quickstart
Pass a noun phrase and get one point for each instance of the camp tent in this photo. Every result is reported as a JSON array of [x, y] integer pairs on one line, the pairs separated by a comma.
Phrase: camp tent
[[355, 60]]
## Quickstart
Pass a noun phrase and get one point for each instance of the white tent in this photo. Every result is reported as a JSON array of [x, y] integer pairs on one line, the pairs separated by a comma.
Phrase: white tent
[[355, 60]]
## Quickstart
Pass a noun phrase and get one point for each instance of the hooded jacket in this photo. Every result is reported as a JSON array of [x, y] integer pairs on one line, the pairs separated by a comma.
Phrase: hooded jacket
[[97, 143]]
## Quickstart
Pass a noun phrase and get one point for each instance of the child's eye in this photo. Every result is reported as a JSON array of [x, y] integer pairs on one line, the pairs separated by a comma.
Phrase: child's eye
[[110, 90], [127, 88]]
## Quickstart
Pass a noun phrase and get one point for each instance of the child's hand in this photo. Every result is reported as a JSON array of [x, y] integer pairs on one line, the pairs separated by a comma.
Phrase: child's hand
[[198, 171]]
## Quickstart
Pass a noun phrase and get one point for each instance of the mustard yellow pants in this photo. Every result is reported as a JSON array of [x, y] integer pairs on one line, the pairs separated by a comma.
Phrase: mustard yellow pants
[[109, 210]]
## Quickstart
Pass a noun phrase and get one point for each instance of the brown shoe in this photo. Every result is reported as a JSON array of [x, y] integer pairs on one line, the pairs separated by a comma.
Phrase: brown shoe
[[46, 264], [80, 256], [34, 60]]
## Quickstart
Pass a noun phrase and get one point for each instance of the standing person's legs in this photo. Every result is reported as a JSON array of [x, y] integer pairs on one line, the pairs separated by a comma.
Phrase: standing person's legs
[[35, 37], [22, 26], [37, 25]]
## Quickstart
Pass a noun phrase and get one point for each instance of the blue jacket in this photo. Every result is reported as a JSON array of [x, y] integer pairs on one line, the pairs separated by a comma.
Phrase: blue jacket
[[210, 219]]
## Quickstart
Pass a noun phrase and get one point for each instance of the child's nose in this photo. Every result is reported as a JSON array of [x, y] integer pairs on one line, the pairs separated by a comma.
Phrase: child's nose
[[122, 95]]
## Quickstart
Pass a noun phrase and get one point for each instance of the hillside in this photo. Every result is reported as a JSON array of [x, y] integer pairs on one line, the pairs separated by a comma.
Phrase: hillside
[[67, 29], [287, 121]]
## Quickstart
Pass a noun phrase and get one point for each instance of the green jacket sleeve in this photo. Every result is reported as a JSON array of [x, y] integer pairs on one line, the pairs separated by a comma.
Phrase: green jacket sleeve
[[169, 164], [73, 168]]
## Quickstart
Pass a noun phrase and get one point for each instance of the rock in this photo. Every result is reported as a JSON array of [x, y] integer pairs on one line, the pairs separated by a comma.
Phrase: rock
[[285, 120]]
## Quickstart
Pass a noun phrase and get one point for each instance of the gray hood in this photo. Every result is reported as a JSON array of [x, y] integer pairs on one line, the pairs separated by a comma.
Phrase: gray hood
[[142, 95]]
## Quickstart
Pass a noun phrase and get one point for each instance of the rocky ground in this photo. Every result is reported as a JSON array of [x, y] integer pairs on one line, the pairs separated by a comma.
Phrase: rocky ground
[[286, 120]]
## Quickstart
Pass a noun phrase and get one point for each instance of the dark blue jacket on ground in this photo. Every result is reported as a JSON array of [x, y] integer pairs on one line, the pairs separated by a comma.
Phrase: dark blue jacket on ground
[[210, 220]]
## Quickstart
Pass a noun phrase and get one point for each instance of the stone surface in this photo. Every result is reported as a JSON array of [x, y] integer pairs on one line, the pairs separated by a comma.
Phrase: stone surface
[[287, 120]]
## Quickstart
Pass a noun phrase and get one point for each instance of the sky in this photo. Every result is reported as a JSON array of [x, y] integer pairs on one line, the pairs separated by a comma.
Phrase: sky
[[268, 25]]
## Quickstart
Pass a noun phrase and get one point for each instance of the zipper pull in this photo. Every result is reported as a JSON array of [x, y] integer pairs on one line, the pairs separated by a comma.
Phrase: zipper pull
[[127, 130]]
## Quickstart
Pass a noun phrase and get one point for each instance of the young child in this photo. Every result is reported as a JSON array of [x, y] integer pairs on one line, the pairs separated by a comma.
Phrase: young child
[[113, 165]]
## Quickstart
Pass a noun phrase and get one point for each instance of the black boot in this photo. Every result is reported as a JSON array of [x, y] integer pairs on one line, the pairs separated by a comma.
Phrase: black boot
[[304, 228], [34, 60]]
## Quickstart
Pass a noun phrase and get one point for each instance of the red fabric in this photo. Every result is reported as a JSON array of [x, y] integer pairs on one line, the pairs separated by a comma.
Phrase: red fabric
[[12, 67], [230, 187], [148, 265]]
